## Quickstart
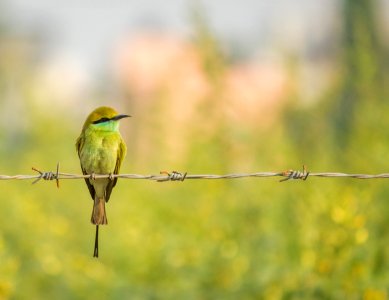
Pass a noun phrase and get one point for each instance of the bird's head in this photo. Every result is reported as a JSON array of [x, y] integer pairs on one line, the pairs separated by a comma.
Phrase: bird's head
[[104, 118]]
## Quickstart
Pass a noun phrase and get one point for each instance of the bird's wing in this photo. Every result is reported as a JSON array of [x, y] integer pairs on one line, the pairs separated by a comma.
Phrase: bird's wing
[[79, 145], [122, 150]]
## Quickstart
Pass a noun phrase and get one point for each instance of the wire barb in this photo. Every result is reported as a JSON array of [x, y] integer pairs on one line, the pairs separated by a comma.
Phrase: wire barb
[[47, 175], [291, 174], [173, 176]]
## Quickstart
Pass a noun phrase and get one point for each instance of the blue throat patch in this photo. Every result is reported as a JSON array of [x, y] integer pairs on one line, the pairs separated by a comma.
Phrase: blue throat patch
[[107, 126]]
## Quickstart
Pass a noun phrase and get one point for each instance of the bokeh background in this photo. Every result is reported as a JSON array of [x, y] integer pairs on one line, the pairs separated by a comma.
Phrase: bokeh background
[[213, 87]]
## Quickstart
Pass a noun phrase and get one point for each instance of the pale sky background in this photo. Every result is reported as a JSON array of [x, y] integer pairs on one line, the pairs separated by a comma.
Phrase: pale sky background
[[87, 30], [79, 37]]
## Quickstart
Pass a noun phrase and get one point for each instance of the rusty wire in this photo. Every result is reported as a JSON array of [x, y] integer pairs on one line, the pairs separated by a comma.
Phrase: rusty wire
[[177, 176]]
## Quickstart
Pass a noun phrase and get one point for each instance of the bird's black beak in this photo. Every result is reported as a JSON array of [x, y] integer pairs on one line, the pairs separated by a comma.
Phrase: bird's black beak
[[118, 117]]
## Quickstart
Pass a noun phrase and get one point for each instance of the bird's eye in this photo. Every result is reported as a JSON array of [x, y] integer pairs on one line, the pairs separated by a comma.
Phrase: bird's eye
[[101, 120]]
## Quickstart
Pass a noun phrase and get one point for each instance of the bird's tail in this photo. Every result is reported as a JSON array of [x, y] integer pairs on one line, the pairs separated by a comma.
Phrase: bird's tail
[[98, 218], [98, 213]]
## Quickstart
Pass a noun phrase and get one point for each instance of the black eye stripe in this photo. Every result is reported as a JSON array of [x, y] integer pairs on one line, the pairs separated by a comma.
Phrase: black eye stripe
[[101, 120]]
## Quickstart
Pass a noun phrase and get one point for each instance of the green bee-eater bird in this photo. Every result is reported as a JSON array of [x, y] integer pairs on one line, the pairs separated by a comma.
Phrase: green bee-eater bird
[[101, 150]]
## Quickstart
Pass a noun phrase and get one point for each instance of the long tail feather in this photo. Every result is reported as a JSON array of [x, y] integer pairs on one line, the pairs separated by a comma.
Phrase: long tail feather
[[96, 250]]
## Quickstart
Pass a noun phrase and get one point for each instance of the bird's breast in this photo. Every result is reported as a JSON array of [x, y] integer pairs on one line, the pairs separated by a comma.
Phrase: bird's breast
[[99, 152]]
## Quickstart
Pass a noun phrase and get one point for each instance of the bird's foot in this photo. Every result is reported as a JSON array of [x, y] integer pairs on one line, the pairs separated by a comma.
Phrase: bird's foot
[[111, 176], [92, 176]]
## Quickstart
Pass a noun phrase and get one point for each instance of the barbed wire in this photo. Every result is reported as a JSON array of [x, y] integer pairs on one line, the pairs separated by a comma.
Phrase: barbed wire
[[178, 176]]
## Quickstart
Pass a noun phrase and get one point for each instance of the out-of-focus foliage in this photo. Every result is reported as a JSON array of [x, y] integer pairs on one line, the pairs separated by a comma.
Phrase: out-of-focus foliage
[[238, 239]]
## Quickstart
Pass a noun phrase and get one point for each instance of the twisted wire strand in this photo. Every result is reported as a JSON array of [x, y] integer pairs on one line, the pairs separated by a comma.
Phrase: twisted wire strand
[[177, 176]]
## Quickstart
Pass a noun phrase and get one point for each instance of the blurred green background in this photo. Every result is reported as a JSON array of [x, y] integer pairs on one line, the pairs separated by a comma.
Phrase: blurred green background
[[201, 105]]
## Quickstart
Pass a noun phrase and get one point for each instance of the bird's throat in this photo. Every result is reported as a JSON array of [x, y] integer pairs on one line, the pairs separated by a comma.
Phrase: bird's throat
[[112, 126]]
